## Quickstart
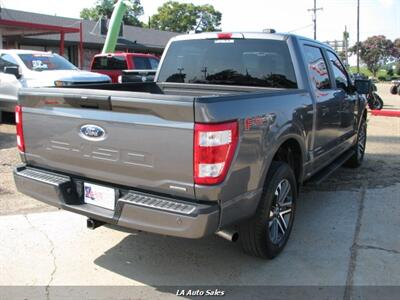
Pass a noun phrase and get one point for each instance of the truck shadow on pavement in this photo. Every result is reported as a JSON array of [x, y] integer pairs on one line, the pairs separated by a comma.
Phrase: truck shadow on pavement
[[166, 261], [7, 140], [378, 171]]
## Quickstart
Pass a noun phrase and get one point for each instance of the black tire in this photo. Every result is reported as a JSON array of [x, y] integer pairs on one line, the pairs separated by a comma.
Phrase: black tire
[[376, 102], [394, 89], [263, 235], [357, 158], [1, 116]]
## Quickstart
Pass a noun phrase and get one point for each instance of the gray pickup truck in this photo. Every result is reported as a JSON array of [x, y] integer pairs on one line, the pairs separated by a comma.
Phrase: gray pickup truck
[[220, 142]]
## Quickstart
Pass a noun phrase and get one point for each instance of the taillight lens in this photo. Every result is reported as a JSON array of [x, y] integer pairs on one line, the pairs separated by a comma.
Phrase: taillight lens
[[20, 132], [214, 147]]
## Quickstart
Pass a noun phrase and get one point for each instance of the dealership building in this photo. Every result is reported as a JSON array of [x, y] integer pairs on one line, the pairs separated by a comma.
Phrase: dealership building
[[77, 40]]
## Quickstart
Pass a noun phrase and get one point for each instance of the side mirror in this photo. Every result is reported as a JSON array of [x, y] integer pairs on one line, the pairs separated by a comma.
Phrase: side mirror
[[342, 86], [363, 86], [13, 70]]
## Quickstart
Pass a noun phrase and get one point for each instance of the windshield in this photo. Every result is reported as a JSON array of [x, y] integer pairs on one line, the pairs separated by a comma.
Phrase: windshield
[[248, 62], [46, 62]]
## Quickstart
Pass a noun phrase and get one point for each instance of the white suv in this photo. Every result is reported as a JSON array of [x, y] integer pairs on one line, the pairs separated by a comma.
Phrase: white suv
[[28, 68]]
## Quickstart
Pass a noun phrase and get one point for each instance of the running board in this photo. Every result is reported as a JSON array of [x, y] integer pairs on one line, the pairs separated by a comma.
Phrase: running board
[[328, 170]]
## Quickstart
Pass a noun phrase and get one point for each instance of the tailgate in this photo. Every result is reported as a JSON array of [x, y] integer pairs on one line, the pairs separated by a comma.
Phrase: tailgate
[[131, 139]]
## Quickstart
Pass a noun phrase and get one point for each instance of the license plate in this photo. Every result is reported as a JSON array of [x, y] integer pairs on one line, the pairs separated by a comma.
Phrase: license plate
[[99, 195]]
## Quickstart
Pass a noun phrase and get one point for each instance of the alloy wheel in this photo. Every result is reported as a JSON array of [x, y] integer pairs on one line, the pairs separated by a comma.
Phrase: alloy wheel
[[280, 213], [362, 138]]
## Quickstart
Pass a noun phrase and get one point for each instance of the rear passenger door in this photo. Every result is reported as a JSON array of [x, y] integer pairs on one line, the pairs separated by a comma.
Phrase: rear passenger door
[[327, 122], [344, 94]]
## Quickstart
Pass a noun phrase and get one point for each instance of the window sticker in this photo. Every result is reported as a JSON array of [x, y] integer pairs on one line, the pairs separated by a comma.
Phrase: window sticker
[[38, 64], [43, 55]]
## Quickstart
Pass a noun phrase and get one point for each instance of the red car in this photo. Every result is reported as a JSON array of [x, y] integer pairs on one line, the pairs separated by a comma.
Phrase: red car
[[112, 64]]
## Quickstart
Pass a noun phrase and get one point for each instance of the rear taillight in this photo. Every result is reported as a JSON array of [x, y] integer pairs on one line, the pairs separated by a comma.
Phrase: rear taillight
[[214, 147], [20, 132]]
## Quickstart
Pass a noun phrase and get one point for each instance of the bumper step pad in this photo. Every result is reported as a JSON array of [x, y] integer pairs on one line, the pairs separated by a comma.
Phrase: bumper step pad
[[157, 203], [42, 176]]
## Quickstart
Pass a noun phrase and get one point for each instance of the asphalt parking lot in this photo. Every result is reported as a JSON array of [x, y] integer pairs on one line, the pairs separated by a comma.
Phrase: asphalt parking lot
[[346, 235]]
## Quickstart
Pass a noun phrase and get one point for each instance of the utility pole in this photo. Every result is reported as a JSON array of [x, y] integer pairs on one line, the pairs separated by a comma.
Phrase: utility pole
[[314, 10], [358, 36], [346, 45]]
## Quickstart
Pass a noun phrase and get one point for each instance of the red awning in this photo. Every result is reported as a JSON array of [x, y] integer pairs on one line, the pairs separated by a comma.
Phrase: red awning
[[11, 28]]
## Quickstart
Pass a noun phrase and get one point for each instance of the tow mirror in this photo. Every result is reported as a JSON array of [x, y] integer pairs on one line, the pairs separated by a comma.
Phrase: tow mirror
[[362, 86], [13, 70]]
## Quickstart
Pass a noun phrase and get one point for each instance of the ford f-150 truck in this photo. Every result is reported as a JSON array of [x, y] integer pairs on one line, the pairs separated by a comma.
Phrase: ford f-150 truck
[[220, 142]]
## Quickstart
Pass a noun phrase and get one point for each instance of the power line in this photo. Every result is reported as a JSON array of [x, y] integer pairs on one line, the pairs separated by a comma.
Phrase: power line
[[314, 10], [300, 28]]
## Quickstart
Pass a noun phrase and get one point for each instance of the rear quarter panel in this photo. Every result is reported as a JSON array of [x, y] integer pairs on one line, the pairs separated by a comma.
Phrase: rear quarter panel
[[285, 114]]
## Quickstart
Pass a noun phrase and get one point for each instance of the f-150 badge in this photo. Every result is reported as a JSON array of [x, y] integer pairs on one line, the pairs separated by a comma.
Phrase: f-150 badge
[[259, 121]]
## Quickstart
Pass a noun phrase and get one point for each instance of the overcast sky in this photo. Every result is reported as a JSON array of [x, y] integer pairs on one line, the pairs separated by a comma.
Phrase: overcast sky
[[377, 16]]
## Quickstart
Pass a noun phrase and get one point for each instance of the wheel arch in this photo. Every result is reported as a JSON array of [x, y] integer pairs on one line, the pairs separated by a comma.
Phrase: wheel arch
[[289, 149]]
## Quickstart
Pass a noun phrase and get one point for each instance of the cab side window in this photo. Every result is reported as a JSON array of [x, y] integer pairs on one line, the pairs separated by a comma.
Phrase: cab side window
[[317, 70], [7, 60], [339, 71]]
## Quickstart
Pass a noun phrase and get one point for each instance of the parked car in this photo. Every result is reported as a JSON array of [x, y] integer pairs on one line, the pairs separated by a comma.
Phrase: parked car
[[220, 143], [112, 64], [27, 68]]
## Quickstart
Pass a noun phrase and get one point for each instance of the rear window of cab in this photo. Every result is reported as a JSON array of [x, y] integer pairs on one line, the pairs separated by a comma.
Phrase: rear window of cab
[[245, 62], [109, 63]]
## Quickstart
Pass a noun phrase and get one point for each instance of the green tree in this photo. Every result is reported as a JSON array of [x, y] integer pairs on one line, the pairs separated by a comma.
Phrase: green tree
[[390, 71], [376, 51], [105, 8], [184, 17], [396, 44], [342, 55]]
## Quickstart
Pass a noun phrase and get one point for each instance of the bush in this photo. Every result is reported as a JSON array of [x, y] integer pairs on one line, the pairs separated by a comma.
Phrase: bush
[[395, 77], [382, 78]]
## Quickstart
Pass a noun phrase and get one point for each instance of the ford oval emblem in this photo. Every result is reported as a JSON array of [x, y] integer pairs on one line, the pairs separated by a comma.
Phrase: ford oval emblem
[[92, 132]]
